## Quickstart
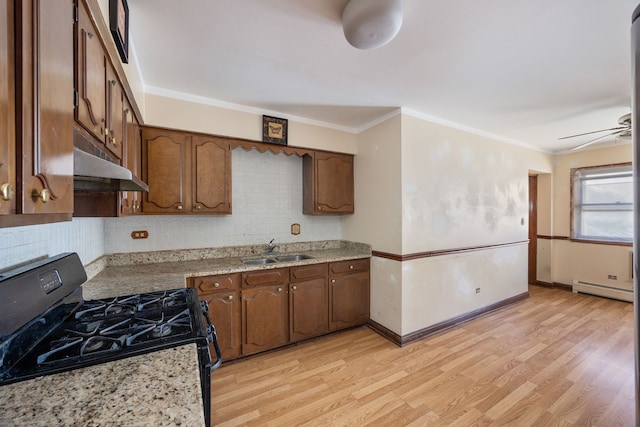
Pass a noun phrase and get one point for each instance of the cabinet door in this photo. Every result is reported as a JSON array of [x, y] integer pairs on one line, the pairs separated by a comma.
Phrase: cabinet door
[[164, 168], [211, 175], [90, 77], [308, 311], [44, 88], [132, 158], [264, 318], [224, 311], [328, 183], [7, 126], [116, 122], [348, 300]]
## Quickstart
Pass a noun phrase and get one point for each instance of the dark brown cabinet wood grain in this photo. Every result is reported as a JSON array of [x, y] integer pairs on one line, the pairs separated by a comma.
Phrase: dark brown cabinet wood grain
[[185, 173], [308, 302], [264, 318], [221, 293], [44, 101], [348, 293], [328, 186], [7, 106]]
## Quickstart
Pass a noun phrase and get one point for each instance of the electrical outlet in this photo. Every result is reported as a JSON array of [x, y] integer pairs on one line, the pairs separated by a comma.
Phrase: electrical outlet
[[477, 290], [142, 234], [612, 277]]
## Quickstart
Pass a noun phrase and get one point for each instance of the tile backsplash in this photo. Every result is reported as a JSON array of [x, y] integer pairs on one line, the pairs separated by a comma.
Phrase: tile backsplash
[[267, 199]]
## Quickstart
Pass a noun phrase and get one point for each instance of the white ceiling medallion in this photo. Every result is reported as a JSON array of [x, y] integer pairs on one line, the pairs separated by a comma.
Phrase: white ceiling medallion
[[369, 24]]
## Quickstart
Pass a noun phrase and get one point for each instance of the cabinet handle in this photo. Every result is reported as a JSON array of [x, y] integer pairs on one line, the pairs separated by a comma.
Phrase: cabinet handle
[[6, 191], [351, 267], [294, 287], [319, 208], [197, 207], [113, 141], [230, 297], [333, 280], [106, 132], [179, 207], [279, 289], [44, 195], [216, 285]]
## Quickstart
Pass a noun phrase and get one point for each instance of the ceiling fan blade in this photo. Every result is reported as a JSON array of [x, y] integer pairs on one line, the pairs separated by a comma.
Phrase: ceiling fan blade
[[596, 131], [593, 141]]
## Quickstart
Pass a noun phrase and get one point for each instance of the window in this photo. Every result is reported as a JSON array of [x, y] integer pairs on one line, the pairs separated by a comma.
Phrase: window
[[603, 203]]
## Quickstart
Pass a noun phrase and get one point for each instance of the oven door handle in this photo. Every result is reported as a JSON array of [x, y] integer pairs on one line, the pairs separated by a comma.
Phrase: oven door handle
[[211, 336]]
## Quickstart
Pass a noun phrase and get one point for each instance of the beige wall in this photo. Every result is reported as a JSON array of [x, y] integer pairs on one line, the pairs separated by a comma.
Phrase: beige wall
[[583, 261], [203, 117]]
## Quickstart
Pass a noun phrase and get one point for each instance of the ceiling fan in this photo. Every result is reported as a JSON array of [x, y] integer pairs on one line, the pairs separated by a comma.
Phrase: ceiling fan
[[624, 130]]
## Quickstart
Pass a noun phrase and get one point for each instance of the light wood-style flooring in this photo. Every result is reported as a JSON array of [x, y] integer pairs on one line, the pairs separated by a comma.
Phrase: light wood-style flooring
[[556, 358]]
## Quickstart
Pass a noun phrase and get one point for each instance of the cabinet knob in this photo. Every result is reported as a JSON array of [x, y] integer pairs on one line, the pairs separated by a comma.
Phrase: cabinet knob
[[44, 195], [279, 289], [333, 280], [179, 207], [294, 287], [319, 208], [216, 285], [197, 207], [6, 191], [351, 267], [230, 297], [106, 132]]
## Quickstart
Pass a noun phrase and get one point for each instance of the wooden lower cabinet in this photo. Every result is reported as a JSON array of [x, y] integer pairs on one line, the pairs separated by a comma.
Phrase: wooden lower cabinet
[[221, 293], [264, 318], [348, 293], [260, 310]]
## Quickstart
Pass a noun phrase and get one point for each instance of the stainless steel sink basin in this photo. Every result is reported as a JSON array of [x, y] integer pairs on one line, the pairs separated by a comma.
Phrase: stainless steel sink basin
[[297, 257], [258, 261]]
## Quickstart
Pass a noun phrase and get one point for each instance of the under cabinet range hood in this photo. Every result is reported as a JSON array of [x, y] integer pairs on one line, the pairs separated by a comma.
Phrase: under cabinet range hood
[[95, 174]]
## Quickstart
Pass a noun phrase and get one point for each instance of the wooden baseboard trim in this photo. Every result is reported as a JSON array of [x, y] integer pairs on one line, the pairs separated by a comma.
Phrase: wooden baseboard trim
[[563, 286], [403, 340], [553, 285]]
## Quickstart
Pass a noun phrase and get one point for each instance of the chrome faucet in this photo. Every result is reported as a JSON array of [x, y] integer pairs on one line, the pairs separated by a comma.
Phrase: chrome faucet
[[271, 247]]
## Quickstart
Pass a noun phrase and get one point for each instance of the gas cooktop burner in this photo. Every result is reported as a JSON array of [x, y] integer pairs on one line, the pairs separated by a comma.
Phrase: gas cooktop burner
[[132, 304]]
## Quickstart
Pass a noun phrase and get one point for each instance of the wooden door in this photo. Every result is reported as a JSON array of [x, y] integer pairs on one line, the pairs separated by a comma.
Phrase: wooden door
[[348, 300], [328, 184], [264, 318], [533, 229], [211, 175], [44, 91], [224, 311], [165, 166], [116, 121], [308, 309], [90, 77], [7, 99]]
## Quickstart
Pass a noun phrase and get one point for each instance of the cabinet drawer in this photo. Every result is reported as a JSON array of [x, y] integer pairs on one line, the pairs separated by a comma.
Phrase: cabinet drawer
[[215, 283], [252, 279], [306, 272], [350, 266]]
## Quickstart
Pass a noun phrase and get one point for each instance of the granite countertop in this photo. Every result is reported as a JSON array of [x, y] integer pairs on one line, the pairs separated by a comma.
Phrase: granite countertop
[[155, 271], [157, 389]]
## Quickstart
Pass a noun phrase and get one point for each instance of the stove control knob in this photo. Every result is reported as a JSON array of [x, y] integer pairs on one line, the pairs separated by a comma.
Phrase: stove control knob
[[6, 191]]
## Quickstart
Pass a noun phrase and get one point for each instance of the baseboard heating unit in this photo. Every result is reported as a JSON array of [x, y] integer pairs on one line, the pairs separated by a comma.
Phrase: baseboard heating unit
[[602, 290]]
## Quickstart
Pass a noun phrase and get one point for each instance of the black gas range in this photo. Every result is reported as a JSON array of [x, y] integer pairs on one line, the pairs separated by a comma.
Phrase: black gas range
[[46, 326]]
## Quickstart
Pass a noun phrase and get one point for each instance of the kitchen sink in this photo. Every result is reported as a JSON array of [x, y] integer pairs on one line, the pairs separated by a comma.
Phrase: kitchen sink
[[298, 257], [271, 260], [257, 261]]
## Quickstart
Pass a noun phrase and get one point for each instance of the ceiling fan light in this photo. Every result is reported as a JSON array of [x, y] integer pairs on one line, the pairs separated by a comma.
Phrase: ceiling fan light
[[369, 24]]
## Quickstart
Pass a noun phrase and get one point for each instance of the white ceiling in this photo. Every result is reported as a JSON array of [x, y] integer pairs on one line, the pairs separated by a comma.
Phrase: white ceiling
[[528, 70]]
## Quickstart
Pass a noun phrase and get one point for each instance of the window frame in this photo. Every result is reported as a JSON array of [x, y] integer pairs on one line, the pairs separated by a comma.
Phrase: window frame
[[575, 211]]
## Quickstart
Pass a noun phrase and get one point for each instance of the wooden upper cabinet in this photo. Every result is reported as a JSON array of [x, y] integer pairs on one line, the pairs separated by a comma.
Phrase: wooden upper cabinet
[[44, 95], [91, 77], [164, 168], [130, 201], [328, 183], [116, 121], [7, 105], [211, 172], [186, 173]]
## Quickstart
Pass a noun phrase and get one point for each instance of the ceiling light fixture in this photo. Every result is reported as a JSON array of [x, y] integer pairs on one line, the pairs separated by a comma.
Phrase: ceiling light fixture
[[369, 24]]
